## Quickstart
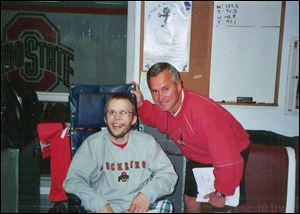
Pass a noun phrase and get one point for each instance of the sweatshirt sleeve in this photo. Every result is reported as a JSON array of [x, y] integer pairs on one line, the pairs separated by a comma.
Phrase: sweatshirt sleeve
[[228, 177], [164, 176], [224, 151], [152, 116], [82, 175]]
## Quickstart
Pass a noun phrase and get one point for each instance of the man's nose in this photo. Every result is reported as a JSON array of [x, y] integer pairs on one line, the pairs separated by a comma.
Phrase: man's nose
[[117, 115], [159, 95]]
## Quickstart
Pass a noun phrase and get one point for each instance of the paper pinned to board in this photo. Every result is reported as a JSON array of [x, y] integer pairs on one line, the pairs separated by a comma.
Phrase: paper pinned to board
[[205, 184]]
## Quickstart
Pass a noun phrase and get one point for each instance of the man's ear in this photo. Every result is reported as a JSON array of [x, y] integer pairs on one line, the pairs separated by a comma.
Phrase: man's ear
[[104, 120], [179, 85], [134, 120]]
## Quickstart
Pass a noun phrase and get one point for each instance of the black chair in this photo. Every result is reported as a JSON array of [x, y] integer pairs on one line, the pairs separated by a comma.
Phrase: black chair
[[87, 117]]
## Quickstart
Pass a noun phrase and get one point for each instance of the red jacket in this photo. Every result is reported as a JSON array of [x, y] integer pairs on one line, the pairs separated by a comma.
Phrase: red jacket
[[205, 132]]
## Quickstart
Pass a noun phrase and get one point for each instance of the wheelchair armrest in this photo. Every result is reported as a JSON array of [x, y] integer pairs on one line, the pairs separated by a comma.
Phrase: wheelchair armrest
[[74, 204]]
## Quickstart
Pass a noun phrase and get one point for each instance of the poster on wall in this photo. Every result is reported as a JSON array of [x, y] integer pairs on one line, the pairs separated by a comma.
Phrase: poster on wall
[[32, 53], [48, 48], [167, 33]]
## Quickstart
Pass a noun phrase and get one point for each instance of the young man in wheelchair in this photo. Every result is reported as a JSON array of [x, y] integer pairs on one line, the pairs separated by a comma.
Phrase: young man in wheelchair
[[119, 169]]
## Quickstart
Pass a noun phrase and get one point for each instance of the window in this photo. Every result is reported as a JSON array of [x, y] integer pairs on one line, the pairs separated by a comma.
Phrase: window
[[292, 98], [49, 45]]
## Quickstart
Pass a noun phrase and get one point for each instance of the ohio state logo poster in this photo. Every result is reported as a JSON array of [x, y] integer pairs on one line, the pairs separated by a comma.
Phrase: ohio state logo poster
[[31, 53]]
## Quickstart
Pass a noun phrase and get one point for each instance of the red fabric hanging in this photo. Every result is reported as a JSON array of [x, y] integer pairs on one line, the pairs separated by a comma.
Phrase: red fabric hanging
[[55, 143]]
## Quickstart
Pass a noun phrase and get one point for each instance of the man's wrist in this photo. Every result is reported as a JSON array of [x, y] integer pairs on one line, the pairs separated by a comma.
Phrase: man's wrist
[[219, 195]]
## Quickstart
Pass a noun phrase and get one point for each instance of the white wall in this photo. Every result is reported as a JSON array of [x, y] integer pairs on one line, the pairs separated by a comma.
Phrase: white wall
[[274, 119], [133, 41]]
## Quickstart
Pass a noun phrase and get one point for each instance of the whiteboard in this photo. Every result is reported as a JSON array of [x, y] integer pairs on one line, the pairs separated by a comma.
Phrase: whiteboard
[[244, 50]]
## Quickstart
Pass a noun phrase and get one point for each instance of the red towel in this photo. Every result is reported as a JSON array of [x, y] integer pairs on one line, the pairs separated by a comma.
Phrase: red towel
[[46, 132], [55, 142]]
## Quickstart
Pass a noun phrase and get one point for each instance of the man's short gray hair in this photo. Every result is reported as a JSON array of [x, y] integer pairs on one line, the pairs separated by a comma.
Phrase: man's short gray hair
[[163, 66]]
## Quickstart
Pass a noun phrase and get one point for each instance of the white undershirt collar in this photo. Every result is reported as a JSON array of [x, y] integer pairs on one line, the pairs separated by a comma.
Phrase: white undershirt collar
[[177, 112]]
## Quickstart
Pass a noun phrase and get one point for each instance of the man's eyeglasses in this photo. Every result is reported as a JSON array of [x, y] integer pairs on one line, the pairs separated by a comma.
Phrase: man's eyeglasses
[[113, 113]]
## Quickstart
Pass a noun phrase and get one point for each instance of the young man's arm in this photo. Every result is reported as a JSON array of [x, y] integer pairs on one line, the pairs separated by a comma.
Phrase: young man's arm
[[82, 168], [164, 176]]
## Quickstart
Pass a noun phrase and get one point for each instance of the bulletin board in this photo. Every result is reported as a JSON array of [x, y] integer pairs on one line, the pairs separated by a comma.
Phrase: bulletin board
[[246, 51], [197, 78], [236, 54]]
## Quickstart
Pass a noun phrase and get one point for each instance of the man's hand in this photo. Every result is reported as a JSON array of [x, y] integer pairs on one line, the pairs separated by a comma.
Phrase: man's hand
[[140, 204], [139, 96], [106, 209], [214, 200]]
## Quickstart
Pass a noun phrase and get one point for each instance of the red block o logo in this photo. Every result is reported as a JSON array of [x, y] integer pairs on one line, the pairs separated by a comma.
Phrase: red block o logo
[[32, 31]]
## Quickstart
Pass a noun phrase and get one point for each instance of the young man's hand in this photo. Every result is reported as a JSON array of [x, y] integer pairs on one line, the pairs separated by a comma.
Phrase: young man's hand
[[106, 209], [140, 204]]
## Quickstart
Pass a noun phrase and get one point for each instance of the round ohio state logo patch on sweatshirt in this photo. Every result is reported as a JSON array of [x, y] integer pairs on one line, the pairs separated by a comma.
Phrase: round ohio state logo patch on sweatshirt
[[123, 177]]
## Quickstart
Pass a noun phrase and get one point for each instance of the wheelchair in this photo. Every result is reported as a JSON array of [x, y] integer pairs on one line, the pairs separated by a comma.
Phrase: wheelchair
[[87, 117]]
